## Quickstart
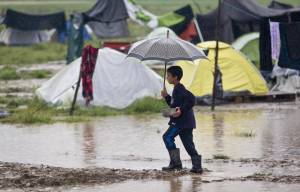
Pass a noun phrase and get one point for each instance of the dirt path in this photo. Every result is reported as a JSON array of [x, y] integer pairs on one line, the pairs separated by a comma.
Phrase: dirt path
[[17, 175]]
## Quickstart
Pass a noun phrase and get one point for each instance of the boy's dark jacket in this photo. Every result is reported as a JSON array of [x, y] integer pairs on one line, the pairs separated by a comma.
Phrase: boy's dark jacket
[[185, 100]]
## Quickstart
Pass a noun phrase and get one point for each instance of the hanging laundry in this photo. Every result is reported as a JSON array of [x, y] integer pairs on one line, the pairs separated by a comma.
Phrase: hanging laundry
[[75, 37], [293, 39], [284, 59], [29, 22], [89, 57], [275, 40]]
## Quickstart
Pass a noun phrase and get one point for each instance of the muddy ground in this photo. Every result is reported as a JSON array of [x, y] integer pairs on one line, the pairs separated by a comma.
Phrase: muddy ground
[[30, 177]]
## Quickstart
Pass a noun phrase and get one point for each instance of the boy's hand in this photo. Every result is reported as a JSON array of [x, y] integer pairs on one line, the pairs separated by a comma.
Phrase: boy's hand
[[164, 93], [177, 113]]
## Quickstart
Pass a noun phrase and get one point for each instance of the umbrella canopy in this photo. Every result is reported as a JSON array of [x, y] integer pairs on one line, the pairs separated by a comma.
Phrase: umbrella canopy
[[165, 49]]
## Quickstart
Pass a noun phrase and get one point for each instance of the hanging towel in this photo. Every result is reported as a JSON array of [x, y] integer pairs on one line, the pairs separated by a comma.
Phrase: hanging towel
[[89, 57], [293, 39], [285, 60], [275, 40]]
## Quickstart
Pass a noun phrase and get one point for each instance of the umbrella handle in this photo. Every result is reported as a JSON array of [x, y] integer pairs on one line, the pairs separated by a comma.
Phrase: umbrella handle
[[165, 72]]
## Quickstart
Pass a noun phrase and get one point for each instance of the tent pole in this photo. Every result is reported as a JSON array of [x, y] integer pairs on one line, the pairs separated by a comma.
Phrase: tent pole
[[198, 29], [216, 57], [75, 95]]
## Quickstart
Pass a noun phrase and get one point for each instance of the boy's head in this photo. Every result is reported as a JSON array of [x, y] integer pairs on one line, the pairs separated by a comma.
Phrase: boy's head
[[174, 74]]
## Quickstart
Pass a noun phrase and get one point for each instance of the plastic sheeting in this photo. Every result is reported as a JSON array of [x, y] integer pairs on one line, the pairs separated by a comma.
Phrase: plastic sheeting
[[11, 36], [117, 82], [141, 16], [109, 30]]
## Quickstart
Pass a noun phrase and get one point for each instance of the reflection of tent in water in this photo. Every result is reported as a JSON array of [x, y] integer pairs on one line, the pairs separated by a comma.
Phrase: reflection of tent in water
[[238, 75], [26, 29], [117, 82], [249, 45], [237, 18]]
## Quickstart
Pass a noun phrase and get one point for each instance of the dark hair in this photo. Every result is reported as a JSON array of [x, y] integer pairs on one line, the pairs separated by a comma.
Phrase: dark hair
[[176, 71]]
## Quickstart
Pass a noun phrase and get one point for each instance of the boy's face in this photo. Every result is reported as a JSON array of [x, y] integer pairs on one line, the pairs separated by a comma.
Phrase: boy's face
[[171, 79]]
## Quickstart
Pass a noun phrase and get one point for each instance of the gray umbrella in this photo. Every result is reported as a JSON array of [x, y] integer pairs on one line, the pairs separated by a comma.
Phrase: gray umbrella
[[165, 49]]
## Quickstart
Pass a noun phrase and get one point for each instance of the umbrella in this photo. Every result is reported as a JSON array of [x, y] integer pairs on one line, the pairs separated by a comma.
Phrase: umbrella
[[165, 49]]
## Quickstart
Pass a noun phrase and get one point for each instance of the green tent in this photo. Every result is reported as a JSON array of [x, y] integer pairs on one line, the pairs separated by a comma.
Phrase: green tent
[[248, 44]]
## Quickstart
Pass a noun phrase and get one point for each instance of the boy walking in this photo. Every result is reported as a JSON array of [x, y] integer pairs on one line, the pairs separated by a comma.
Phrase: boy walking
[[182, 122]]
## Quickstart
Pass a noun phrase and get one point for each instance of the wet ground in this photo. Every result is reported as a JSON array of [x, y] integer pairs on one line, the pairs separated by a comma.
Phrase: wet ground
[[261, 141]]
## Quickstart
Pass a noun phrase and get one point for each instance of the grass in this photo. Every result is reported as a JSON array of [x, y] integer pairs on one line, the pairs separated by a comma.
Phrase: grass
[[41, 53], [38, 111], [8, 73], [35, 74], [220, 156], [244, 133], [11, 73], [14, 102]]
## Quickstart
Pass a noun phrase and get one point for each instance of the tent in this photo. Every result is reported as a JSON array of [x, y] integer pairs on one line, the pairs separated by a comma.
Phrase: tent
[[239, 75], [108, 18], [280, 5], [117, 82], [10, 36], [161, 32], [249, 45], [238, 17], [25, 29], [139, 15], [177, 20]]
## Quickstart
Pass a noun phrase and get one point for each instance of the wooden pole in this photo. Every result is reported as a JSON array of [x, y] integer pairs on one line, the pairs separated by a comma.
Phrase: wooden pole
[[75, 95], [216, 57]]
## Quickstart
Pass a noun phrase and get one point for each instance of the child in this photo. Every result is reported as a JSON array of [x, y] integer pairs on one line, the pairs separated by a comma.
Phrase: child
[[181, 123]]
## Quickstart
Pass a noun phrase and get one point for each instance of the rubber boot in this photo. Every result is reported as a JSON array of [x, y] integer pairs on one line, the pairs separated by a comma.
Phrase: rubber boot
[[197, 164], [175, 162]]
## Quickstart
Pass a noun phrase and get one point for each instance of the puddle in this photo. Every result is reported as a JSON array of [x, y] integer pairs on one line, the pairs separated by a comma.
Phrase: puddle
[[134, 142], [191, 185]]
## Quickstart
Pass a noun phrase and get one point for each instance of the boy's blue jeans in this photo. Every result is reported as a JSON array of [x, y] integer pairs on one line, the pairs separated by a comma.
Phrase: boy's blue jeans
[[186, 136]]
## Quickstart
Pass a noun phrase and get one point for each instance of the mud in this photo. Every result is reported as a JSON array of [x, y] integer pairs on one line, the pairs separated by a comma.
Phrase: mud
[[40, 177], [16, 175]]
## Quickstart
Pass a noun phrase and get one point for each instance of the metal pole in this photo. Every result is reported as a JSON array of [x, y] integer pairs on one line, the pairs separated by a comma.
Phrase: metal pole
[[198, 29], [165, 74], [216, 57]]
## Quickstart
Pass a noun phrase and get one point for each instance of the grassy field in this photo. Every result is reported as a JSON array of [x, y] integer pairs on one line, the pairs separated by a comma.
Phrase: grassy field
[[55, 51], [38, 111]]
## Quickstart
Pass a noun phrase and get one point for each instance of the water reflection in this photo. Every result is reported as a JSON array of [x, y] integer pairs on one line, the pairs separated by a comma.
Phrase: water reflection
[[89, 144], [135, 141], [191, 185]]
